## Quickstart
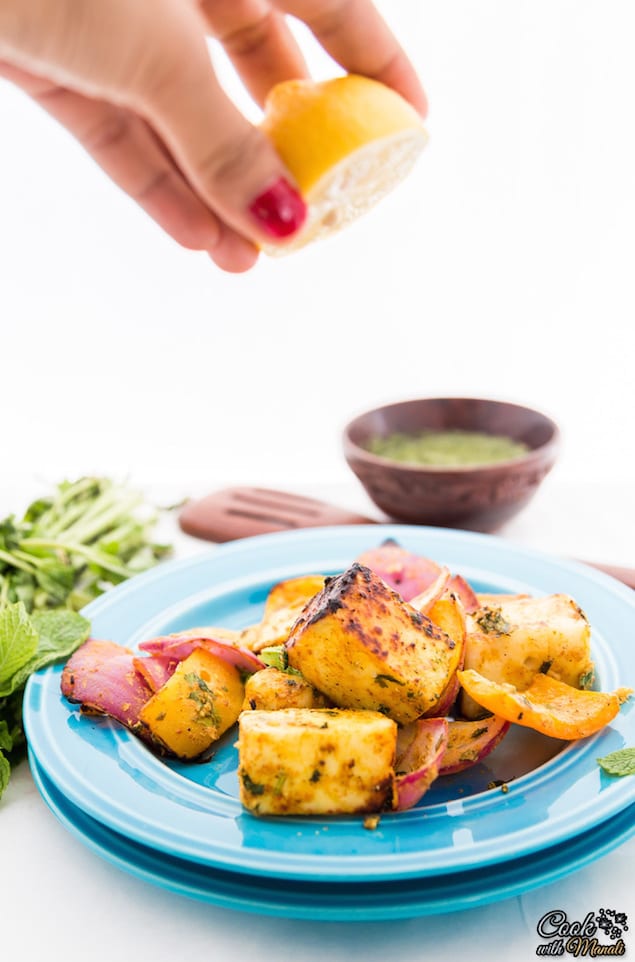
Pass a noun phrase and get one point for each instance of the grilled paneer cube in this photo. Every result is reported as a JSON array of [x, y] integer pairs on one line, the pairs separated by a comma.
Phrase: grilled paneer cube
[[364, 647], [271, 689], [316, 761], [201, 700], [512, 640]]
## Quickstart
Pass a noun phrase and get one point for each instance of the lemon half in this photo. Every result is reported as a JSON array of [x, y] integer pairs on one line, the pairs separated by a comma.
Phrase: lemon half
[[347, 142]]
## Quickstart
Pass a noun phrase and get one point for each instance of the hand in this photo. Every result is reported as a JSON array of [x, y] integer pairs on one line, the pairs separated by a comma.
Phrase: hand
[[132, 80]]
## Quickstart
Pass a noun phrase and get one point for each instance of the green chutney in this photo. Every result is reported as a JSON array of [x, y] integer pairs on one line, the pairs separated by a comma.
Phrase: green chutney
[[447, 448]]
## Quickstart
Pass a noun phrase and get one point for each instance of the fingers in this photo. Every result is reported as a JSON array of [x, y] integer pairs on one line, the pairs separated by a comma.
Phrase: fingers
[[355, 35], [134, 82], [231, 165], [264, 51], [152, 62], [128, 151], [258, 41]]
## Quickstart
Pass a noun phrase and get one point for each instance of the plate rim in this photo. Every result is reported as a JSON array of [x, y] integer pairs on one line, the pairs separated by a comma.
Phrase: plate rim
[[581, 852]]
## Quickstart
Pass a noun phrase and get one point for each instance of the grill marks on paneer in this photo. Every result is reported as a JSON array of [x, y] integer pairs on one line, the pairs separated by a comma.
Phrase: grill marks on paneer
[[365, 648]]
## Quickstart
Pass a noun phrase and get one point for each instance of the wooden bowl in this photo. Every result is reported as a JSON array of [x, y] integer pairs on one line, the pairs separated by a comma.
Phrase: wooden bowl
[[480, 497]]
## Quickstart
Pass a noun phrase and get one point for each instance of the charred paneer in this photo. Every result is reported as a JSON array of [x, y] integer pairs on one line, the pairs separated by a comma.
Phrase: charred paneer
[[360, 644]]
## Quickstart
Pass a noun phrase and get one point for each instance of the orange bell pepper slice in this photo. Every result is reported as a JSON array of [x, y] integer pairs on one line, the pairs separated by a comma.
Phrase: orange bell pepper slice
[[548, 706]]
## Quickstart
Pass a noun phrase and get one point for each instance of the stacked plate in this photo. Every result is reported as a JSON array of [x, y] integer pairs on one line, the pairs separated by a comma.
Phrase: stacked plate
[[533, 811]]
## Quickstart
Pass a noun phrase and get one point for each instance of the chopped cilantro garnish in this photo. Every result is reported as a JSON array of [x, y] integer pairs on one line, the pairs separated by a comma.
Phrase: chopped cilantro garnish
[[492, 622]]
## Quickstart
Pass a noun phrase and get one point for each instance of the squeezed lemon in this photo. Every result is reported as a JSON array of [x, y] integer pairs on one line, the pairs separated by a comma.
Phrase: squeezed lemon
[[347, 142]]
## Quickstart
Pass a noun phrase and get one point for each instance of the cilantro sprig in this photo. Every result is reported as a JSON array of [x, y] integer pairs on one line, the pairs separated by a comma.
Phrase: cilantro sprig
[[70, 547]]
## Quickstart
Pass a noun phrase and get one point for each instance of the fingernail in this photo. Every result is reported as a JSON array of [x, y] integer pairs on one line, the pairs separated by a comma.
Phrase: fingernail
[[280, 209]]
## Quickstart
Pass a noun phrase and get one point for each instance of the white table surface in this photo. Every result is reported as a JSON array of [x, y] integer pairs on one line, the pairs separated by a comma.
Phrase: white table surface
[[58, 897]]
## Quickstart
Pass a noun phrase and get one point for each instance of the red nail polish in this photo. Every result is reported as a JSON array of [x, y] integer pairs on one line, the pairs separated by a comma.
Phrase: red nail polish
[[279, 209]]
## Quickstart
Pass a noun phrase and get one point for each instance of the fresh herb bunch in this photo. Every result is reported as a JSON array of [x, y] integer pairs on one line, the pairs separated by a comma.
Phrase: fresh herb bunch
[[27, 643], [66, 550], [69, 548]]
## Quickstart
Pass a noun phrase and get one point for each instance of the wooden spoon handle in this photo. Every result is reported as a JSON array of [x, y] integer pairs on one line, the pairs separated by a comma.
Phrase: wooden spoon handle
[[243, 512]]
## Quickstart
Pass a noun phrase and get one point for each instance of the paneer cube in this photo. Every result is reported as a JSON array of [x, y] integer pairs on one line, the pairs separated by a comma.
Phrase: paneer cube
[[271, 689], [511, 640], [200, 701], [316, 761], [364, 647]]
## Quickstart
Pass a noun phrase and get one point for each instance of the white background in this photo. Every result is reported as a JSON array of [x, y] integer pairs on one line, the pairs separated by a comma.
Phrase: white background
[[502, 267]]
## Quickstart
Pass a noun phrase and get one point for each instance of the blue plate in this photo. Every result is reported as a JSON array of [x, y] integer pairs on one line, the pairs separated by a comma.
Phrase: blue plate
[[192, 811], [343, 901]]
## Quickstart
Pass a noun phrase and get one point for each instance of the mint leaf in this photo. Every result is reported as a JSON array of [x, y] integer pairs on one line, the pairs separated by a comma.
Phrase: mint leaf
[[60, 633], [6, 744], [57, 634], [621, 762], [11, 724], [5, 773], [6, 741], [46, 636], [18, 643]]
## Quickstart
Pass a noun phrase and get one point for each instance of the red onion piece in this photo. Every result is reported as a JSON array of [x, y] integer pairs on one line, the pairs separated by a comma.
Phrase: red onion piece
[[179, 647], [101, 676], [424, 601], [155, 670], [470, 742], [460, 587], [449, 696], [420, 748], [413, 576], [406, 573], [449, 615]]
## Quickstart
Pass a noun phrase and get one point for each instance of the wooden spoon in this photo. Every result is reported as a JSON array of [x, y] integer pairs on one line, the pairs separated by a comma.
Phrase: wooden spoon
[[241, 512]]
